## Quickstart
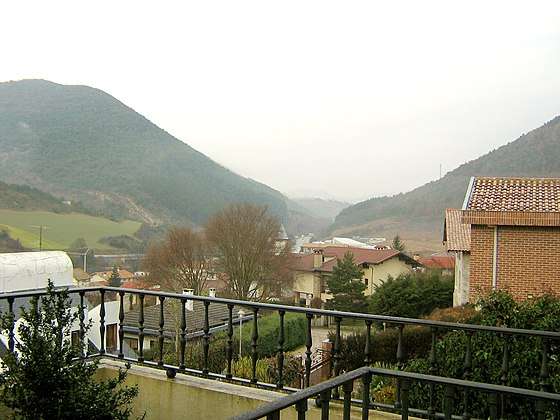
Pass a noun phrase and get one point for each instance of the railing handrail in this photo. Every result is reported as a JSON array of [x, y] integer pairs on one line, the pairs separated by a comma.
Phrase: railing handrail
[[303, 310]]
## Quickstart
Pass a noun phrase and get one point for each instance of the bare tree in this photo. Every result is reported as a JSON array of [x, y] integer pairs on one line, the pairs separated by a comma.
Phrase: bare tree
[[250, 258], [179, 261]]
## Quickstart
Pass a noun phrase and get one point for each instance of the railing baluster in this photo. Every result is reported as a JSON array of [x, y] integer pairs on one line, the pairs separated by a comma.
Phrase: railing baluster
[[121, 324], [400, 364], [206, 338], [11, 334], [141, 330], [183, 335], [301, 408], [82, 332], [449, 393], [281, 339], [336, 355], [544, 365], [254, 351], [325, 398], [366, 383], [405, 388], [467, 374], [493, 402], [542, 405], [336, 349], [229, 347], [347, 388], [161, 329], [275, 415], [505, 371], [102, 322], [541, 408], [367, 349], [308, 344], [433, 370]]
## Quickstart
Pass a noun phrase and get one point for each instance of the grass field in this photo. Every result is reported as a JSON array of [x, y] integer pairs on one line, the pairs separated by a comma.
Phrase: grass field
[[60, 230]]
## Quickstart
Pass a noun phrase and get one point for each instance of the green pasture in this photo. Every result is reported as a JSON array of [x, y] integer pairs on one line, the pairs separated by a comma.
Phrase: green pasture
[[60, 230]]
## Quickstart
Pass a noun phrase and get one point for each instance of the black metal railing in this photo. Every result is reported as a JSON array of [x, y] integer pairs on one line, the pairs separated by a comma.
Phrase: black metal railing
[[161, 335], [324, 392]]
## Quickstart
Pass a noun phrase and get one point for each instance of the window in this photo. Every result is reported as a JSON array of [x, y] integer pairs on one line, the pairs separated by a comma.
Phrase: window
[[132, 342], [75, 337], [366, 282], [111, 336]]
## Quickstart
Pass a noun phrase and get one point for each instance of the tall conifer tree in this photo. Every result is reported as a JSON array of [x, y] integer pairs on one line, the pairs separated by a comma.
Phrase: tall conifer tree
[[347, 287]]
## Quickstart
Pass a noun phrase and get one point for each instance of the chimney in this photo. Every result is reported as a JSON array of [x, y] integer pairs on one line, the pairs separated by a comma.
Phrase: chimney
[[318, 258], [189, 292], [212, 292]]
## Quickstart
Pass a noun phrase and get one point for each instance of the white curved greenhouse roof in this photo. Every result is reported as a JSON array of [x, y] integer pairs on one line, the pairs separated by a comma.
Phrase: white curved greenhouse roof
[[32, 270]]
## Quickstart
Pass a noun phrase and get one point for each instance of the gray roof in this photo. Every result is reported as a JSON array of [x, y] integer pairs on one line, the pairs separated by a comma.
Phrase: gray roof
[[217, 316]]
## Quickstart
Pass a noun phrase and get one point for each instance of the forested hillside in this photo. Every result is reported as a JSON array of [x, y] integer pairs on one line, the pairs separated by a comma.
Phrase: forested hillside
[[419, 213], [82, 144]]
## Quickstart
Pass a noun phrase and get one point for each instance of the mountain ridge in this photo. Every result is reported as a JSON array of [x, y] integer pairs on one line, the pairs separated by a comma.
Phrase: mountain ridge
[[417, 212], [81, 143]]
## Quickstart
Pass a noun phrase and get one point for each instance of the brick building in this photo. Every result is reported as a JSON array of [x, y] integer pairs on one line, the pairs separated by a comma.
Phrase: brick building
[[515, 235]]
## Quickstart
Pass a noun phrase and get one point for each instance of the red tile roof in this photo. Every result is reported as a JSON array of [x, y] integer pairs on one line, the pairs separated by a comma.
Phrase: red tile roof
[[137, 284], [447, 262], [456, 235], [514, 194], [361, 256]]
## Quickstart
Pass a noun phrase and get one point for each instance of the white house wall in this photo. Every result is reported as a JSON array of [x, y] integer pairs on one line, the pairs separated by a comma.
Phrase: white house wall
[[462, 278], [376, 274], [111, 317]]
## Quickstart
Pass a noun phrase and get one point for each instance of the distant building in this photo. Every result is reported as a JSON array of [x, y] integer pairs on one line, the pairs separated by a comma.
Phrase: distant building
[[457, 240], [313, 270]]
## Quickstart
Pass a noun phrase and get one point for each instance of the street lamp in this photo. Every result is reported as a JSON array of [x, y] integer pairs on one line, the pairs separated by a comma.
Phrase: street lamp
[[85, 257], [241, 314]]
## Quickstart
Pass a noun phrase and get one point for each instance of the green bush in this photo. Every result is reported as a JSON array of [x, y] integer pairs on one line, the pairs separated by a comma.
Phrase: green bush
[[267, 370], [46, 378], [415, 342], [412, 295], [268, 326], [498, 309]]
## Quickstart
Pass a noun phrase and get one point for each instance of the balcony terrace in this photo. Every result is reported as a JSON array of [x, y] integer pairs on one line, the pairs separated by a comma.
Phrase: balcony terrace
[[177, 390]]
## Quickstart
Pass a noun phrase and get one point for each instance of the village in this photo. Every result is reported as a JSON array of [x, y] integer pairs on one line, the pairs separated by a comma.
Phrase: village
[[503, 239]]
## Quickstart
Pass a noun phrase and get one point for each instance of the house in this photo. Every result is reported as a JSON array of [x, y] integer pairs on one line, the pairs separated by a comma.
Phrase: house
[[457, 240], [81, 278], [515, 235], [313, 270], [441, 261], [139, 285], [124, 275], [218, 316]]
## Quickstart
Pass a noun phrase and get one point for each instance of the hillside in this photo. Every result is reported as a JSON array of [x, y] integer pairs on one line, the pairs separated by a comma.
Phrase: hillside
[[327, 209], [418, 215], [25, 198], [82, 144]]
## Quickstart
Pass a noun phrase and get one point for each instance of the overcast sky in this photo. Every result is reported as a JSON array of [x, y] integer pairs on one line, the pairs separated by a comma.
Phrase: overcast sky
[[346, 100]]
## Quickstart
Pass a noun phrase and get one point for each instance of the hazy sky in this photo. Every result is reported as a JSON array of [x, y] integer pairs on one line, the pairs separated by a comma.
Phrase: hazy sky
[[345, 99]]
